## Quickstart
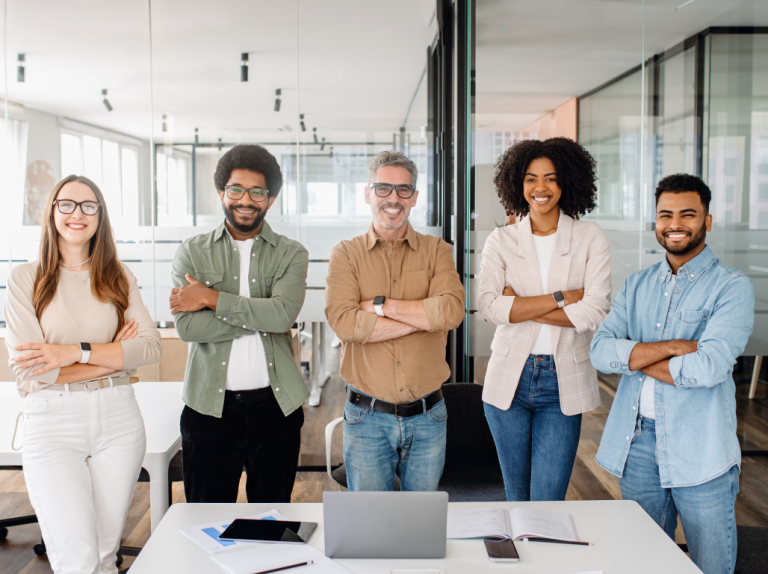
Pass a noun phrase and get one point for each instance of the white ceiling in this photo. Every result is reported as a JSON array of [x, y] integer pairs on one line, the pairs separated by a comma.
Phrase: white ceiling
[[351, 66]]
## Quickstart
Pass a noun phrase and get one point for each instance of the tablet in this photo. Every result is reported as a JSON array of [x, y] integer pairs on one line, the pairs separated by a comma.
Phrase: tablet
[[269, 531]]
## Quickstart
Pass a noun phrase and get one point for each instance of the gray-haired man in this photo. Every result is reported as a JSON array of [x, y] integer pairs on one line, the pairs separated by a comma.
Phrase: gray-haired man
[[393, 294]]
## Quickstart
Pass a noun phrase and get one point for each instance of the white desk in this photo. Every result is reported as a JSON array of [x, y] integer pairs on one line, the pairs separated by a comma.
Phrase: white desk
[[626, 541], [161, 407]]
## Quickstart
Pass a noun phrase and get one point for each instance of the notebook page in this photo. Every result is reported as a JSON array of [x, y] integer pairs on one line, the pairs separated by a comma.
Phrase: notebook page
[[478, 523], [534, 523], [268, 557]]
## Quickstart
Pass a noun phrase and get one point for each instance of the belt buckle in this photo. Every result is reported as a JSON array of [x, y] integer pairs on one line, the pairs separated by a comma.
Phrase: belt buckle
[[93, 385], [398, 406]]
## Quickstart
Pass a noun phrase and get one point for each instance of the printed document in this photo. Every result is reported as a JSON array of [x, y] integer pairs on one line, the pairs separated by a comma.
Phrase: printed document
[[521, 522], [269, 557]]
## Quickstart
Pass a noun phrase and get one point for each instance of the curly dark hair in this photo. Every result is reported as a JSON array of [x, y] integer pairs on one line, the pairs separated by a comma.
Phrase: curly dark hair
[[682, 182], [575, 175], [253, 158]]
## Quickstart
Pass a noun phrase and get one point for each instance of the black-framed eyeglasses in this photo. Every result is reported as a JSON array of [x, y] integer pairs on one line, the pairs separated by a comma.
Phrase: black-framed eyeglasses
[[67, 206], [257, 194], [404, 191]]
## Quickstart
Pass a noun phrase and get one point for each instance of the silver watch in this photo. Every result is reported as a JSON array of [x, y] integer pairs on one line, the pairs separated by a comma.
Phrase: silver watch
[[559, 298]]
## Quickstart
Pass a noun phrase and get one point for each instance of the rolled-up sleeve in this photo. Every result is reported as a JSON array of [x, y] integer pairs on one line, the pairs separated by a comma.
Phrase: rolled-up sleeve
[[724, 338], [587, 314], [342, 300], [23, 326], [611, 346], [445, 304], [491, 304], [146, 347]]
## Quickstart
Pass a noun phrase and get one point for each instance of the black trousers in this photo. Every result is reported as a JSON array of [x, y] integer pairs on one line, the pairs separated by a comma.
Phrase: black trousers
[[252, 434]]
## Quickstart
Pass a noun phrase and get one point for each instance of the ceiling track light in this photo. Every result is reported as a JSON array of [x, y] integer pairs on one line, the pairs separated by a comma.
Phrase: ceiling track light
[[165, 123], [106, 101], [278, 93], [20, 69], [322, 146], [314, 134], [301, 123], [197, 138], [244, 67], [219, 146]]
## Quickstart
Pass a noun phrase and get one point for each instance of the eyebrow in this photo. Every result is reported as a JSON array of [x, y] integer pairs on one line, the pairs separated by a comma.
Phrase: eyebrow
[[687, 210], [545, 175]]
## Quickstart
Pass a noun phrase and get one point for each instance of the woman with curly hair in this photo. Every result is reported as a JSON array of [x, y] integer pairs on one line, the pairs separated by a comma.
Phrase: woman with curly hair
[[546, 283]]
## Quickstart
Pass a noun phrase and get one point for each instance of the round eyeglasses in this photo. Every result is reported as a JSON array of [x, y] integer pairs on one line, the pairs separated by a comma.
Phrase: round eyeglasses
[[404, 191], [257, 194], [68, 206]]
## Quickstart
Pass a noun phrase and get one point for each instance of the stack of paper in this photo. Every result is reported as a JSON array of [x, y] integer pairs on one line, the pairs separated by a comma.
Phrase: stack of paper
[[207, 535], [265, 558]]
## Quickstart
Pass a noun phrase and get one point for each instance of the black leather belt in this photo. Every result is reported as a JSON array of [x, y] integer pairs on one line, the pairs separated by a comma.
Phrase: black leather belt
[[400, 410]]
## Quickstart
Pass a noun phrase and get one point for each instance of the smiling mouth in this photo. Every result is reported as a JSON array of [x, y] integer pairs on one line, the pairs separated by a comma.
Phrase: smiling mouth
[[391, 210], [76, 226], [244, 211], [541, 199], [676, 236]]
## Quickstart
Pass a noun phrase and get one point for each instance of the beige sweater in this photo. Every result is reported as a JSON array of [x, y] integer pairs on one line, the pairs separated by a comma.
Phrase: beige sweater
[[74, 316]]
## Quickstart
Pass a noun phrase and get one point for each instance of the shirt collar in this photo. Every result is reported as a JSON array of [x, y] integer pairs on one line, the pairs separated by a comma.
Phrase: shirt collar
[[266, 233], [411, 237], [693, 268]]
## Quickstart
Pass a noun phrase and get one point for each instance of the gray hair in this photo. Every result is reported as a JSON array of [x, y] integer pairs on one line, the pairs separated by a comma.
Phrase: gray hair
[[394, 158]]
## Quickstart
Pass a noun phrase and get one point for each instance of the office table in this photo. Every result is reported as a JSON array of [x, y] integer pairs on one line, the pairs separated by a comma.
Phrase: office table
[[161, 407], [626, 541]]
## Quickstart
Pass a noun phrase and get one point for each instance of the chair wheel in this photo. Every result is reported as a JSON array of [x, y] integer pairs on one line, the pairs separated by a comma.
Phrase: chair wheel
[[39, 548], [3, 533], [119, 560]]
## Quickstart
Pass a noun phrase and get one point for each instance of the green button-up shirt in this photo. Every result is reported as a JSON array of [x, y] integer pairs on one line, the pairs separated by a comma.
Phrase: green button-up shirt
[[278, 282]]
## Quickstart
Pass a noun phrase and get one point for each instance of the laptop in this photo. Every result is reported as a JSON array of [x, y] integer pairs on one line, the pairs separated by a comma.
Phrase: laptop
[[385, 524]]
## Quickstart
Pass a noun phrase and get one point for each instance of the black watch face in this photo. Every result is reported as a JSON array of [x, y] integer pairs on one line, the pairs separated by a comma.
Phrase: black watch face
[[379, 300], [85, 346], [559, 296]]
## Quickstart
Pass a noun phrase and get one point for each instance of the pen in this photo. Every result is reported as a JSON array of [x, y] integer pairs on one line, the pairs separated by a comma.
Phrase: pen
[[284, 567], [557, 541]]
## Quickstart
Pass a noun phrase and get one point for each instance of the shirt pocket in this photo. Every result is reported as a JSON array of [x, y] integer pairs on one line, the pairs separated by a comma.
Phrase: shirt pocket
[[581, 354], [417, 284], [691, 324], [212, 279]]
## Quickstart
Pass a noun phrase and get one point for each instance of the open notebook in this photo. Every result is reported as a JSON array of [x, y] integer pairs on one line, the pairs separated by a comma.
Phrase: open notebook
[[521, 522]]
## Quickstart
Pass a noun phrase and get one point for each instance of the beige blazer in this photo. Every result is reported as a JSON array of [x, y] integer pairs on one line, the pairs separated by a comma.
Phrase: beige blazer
[[581, 260]]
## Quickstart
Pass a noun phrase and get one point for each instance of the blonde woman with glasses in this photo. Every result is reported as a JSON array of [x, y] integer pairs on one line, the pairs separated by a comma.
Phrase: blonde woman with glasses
[[77, 330]]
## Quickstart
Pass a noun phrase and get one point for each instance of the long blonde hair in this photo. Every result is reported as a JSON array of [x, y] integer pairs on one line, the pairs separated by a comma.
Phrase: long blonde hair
[[109, 283]]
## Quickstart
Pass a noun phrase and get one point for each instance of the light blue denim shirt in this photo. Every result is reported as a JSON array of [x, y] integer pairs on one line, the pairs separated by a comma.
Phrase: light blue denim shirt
[[696, 418]]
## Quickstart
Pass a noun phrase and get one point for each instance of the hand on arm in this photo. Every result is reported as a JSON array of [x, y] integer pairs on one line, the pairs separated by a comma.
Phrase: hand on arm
[[411, 313], [67, 356], [193, 297], [541, 308]]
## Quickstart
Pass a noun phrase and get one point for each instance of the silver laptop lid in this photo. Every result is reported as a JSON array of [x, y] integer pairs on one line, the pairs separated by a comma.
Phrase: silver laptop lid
[[385, 524]]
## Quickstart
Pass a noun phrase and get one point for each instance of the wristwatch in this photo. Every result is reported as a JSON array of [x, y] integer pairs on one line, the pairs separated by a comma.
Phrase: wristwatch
[[85, 348], [559, 298], [378, 305]]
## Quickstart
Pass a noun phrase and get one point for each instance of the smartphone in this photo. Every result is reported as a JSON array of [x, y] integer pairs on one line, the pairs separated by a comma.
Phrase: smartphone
[[501, 550], [269, 531]]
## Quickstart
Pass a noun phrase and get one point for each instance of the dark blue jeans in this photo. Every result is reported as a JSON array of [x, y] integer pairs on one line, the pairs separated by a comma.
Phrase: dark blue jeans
[[535, 441]]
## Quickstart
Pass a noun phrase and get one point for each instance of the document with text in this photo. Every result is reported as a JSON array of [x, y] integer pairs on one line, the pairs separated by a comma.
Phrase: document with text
[[521, 522]]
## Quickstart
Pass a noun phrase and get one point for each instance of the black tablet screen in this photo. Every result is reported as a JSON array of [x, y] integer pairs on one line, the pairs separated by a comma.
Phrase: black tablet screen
[[269, 531]]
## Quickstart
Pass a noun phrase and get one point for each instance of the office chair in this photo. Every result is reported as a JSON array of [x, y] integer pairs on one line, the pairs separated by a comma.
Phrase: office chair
[[472, 472], [752, 550]]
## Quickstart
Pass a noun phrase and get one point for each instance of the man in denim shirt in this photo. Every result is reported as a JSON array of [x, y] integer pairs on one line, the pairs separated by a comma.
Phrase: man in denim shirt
[[674, 332]]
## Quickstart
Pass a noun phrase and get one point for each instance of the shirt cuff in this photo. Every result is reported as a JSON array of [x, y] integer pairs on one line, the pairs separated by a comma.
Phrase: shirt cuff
[[623, 351], [226, 308], [434, 308], [364, 324], [502, 307], [676, 370]]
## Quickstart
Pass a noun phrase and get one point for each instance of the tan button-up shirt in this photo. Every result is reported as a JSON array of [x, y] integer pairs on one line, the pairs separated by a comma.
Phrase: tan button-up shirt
[[418, 267]]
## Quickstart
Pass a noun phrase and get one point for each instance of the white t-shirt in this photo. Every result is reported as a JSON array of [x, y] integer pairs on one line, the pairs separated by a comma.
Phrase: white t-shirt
[[247, 362], [544, 246], [647, 400]]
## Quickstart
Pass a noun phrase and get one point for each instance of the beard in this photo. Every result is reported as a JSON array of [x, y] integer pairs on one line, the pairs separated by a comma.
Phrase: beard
[[695, 240], [229, 214], [378, 209]]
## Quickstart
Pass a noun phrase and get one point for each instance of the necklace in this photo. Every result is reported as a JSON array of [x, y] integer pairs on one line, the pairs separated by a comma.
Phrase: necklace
[[76, 264]]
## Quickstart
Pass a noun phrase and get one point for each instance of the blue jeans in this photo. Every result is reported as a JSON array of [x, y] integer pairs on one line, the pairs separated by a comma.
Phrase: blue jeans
[[379, 445], [706, 510], [535, 441]]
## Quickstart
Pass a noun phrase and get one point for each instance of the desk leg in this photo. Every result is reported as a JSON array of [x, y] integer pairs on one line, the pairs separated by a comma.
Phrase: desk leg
[[755, 376], [158, 499], [319, 375]]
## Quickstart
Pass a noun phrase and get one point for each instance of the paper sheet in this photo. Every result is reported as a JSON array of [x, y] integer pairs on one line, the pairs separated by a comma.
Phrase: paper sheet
[[268, 557], [207, 535], [477, 523]]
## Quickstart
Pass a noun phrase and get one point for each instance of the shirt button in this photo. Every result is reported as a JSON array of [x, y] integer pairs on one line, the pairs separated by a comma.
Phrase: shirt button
[[666, 294], [270, 364], [253, 255], [398, 362], [224, 319], [220, 390], [257, 239], [235, 276], [395, 281], [692, 276], [253, 280], [658, 324], [390, 255], [401, 390], [627, 438], [223, 362], [264, 334], [244, 327], [277, 389], [207, 282]]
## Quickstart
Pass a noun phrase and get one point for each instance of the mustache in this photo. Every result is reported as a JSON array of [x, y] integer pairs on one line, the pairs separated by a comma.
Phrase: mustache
[[391, 206], [254, 208]]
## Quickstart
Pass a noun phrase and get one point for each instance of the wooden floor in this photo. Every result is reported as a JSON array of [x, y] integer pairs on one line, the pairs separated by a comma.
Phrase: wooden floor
[[589, 481]]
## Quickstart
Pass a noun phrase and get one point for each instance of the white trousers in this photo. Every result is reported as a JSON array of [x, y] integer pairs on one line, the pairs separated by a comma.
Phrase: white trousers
[[82, 455]]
